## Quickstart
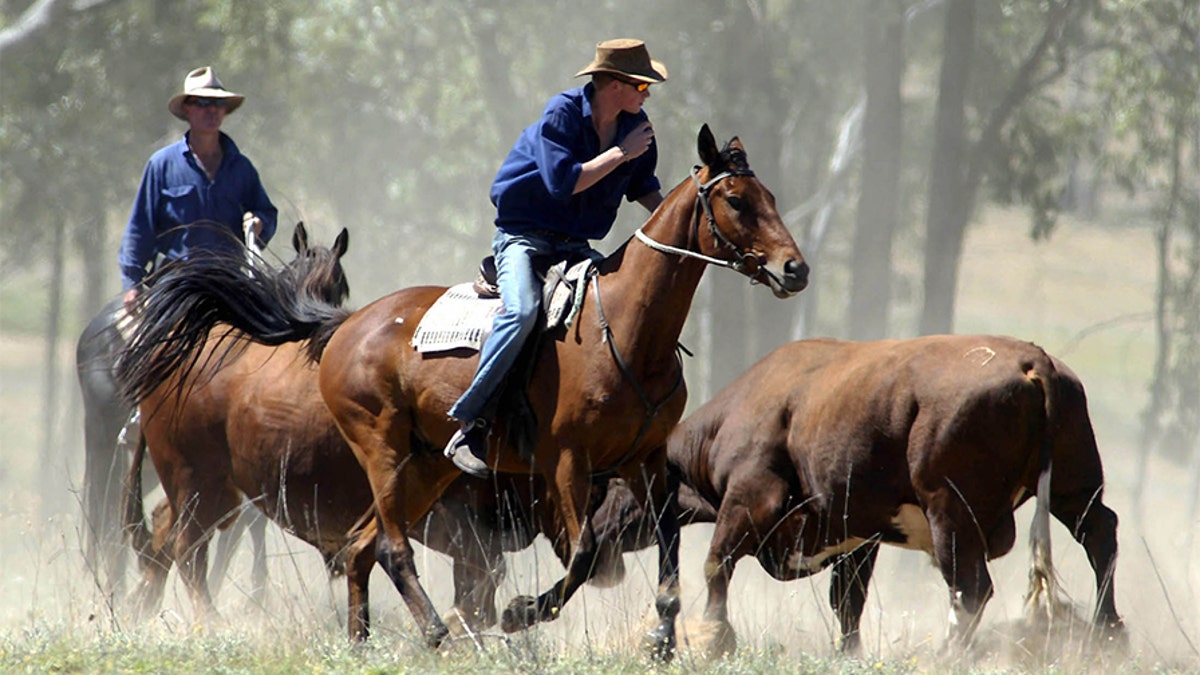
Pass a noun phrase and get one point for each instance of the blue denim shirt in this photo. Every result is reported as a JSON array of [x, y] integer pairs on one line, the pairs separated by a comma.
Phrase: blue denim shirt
[[176, 191], [532, 190]]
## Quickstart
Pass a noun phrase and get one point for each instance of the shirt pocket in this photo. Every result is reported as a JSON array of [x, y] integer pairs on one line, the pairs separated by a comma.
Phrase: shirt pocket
[[181, 204]]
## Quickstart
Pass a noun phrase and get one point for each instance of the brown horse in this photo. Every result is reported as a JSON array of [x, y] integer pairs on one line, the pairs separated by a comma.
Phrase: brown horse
[[605, 393], [251, 424], [224, 429], [824, 449]]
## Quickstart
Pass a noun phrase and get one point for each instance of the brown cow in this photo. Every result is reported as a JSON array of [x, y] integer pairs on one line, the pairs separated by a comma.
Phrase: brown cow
[[824, 449]]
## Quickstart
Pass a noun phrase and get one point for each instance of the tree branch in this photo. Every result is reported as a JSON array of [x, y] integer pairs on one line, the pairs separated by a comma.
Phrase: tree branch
[[41, 15], [1024, 83]]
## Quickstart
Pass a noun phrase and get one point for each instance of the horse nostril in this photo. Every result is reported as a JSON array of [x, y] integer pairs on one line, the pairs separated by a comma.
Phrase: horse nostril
[[796, 270]]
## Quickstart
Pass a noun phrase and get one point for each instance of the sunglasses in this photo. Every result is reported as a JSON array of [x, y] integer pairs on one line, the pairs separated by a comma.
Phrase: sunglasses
[[206, 102], [640, 86]]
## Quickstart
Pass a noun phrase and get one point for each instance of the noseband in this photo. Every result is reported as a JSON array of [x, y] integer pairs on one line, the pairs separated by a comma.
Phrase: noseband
[[741, 258]]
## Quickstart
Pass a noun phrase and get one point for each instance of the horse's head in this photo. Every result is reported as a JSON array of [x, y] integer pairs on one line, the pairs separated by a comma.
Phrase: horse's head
[[317, 270], [745, 228]]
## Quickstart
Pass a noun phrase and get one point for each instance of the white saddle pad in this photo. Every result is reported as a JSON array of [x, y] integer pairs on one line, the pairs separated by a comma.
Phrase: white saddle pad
[[459, 319]]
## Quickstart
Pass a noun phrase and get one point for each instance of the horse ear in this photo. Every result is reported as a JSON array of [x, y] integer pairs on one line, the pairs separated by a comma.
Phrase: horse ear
[[707, 145], [300, 238], [341, 243], [736, 144]]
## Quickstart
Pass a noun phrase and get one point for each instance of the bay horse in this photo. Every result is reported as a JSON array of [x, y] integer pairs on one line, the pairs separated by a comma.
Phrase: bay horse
[[605, 392], [825, 449], [106, 412], [223, 430]]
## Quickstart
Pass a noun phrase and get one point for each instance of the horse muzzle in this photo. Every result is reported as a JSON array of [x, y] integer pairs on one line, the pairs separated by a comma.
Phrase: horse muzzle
[[788, 282]]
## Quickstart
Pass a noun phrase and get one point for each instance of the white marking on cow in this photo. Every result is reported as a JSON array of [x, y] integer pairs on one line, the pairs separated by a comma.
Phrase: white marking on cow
[[810, 564], [980, 356], [912, 523]]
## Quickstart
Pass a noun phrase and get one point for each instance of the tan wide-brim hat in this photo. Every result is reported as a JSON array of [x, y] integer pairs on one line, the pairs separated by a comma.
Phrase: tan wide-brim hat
[[626, 57], [203, 82]]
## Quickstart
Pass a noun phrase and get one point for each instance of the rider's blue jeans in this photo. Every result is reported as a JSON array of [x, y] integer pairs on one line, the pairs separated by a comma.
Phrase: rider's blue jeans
[[521, 292]]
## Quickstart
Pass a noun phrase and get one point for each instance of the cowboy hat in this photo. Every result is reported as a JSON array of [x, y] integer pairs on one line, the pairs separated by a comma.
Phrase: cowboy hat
[[626, 57], [203, 82]]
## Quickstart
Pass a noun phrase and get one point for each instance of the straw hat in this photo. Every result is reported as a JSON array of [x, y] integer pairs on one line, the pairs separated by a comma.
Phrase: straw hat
[[626, 57], [203, 82]]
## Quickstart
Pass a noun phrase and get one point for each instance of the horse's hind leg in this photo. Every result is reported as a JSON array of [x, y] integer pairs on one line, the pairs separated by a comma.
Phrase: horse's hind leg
[[359, 560], [154, 561], [404, 492], [248, 519], [848, 583], [207, 508], [105, 467]]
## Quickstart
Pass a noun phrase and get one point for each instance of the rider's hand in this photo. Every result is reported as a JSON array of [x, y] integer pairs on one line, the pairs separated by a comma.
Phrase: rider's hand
[[637, 141], [130, 300], [253, 223]]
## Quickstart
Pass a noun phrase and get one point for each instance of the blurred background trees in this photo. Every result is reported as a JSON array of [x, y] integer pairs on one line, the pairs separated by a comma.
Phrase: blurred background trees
[[883, 127]]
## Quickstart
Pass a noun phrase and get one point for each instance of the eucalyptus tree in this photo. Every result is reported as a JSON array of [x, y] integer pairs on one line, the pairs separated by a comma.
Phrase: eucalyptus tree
[[1148, 87], [996, 125]]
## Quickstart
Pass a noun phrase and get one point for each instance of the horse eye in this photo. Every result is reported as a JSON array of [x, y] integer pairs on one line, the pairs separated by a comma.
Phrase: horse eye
[[735, 202]]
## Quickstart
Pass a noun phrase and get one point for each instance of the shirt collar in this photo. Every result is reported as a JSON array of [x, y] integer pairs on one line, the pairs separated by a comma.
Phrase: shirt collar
[[228, 147]]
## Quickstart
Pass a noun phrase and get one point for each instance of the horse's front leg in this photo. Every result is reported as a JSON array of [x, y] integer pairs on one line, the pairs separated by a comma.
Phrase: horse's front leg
[[658, 491], [568, 486]]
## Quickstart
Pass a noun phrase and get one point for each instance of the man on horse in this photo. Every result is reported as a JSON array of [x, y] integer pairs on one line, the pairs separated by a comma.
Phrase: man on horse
[[194, 194], [196, 191], [560, 186]]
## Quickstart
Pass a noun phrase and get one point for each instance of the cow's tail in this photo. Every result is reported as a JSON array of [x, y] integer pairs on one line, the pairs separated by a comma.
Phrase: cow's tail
[[135, 528], [1041, 601]]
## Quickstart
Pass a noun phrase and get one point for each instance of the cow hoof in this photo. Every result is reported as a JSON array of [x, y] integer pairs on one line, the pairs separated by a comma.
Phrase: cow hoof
[[716, 639], [520, 614]]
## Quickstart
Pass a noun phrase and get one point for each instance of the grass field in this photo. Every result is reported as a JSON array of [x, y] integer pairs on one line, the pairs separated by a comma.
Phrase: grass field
[[1085, 296]]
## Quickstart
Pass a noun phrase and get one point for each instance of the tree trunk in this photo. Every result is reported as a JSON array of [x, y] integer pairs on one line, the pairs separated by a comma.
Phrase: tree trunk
[[946, 217], [871, 258], [51, 459]]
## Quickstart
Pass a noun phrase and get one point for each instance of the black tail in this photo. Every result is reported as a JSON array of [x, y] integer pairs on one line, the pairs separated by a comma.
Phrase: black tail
[[136, 531], [188, 299]]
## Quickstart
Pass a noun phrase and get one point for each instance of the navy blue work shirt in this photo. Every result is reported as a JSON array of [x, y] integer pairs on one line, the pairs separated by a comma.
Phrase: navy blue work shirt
[[175, 191], [532, 189]]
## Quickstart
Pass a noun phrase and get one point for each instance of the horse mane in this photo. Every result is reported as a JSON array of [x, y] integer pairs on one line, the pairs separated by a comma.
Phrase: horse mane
[[187, 299]]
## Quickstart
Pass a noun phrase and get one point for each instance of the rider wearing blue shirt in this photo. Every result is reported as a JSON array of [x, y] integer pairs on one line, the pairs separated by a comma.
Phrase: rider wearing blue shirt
[[560, 186], [195, 188], [534, 188]]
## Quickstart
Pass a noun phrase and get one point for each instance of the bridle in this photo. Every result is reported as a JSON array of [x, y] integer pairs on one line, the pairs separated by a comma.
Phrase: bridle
[[741, 258]]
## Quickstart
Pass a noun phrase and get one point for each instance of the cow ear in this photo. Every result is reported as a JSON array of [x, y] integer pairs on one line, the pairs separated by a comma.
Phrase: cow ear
[[707, 145], [300, 238], [341, 243]]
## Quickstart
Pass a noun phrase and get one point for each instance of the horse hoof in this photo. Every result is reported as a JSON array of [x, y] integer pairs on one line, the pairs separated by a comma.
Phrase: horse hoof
[[436, 634], [1112, 635], [660, 645], [520, 614]]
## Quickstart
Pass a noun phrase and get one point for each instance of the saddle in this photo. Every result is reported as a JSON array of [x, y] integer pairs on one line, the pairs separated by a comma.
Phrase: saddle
[[462, 317]]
